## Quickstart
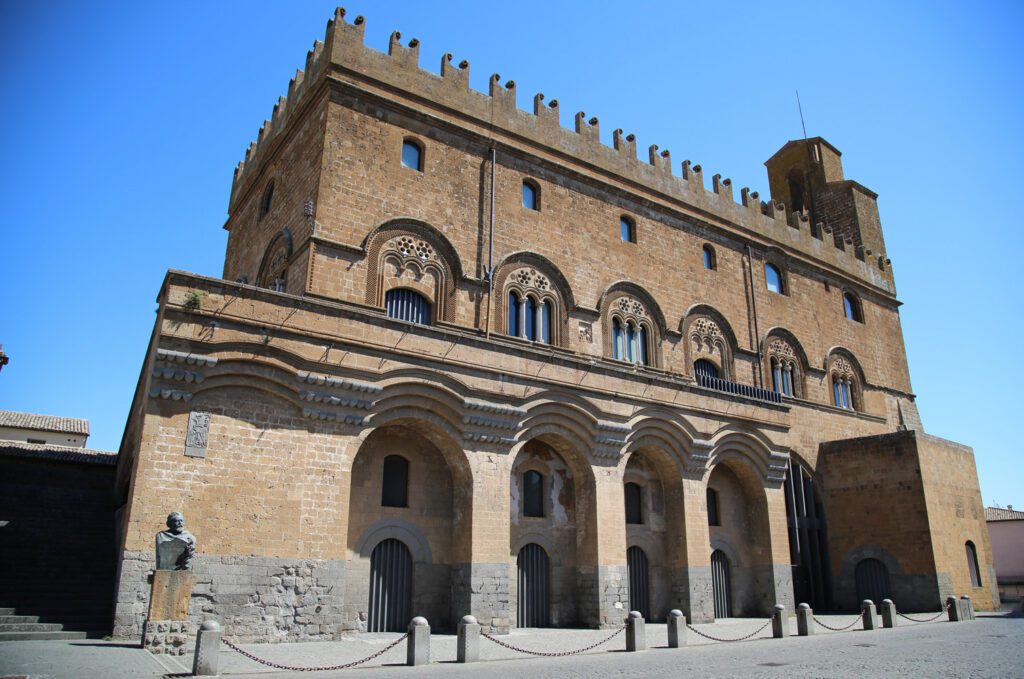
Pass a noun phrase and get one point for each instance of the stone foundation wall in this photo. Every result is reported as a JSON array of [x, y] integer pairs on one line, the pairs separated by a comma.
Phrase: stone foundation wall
[[254, 598]]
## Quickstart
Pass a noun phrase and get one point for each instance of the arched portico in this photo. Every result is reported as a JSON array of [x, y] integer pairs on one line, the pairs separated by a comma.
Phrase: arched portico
[[551, 505], [425, 521]]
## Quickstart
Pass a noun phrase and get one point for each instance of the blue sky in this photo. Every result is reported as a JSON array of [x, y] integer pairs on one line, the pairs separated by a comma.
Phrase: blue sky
[[122, 125]]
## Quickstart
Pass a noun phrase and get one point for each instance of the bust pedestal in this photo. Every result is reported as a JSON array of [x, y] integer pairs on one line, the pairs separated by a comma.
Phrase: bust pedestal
[[167, 627]]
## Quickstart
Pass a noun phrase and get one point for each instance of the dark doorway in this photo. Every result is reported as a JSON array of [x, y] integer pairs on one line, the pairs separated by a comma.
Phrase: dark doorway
[[872, 581], [808, 540], [534, 608], [639, 590], [720, 583], [390, 587]]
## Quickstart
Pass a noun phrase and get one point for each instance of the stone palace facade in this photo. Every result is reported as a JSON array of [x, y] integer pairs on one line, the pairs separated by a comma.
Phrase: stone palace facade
[[464, 360]]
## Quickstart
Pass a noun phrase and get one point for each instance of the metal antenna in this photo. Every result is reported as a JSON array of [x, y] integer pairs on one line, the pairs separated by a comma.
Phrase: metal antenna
[[801, 109]]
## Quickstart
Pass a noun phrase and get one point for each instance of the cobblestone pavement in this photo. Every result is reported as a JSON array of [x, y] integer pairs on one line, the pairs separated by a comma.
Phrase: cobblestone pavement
[[987, 647]]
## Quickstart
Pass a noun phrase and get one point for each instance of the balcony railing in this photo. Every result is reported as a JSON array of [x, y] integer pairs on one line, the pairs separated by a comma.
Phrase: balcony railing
[[718, 384]]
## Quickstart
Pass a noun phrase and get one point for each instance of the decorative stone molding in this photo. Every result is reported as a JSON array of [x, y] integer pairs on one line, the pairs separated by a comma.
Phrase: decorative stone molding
[[172, 356], [329, 399], [170, 394], [355, 420], [178, 374], [339, 382]]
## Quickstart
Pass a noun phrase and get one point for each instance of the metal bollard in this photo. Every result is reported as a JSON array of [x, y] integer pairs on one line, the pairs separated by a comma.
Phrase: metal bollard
[[968, 607], [804, 620], [953, 608], [888, 614], [869, 615], [417, 649], [468, 649], [676, 628], [636, 637], [207, 650], [779, 621]]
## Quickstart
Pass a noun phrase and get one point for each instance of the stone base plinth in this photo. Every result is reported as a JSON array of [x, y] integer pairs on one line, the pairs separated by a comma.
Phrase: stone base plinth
[[169, 637], [170, 595]]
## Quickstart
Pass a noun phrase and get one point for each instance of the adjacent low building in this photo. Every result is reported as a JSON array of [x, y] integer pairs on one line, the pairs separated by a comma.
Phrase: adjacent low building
[[56, 522], [1006, 532], [462, 360]]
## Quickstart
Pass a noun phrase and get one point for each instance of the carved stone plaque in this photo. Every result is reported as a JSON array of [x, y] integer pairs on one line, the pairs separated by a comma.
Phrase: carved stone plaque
[[197, 434]]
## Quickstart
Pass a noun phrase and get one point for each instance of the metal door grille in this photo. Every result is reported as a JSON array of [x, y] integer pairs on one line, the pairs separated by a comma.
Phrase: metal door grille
[[720, 584], [639, 595], [872, 581], [390, 587], [534, 609]]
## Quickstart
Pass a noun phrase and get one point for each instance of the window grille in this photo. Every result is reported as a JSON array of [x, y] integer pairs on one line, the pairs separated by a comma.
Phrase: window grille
[[407, 305]]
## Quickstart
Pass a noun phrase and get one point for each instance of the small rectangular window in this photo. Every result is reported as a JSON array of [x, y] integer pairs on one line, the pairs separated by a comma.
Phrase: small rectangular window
[[533, 494], [627, 229], [713, 507], [634, 504]]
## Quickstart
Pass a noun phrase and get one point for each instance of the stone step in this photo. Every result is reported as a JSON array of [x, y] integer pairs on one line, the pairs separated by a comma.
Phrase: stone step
[[6, 611], [31, 627], [9, 619], [40, 636]]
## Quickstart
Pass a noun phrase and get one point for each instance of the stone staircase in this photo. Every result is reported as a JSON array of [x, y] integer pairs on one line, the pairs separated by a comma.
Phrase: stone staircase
[[28, 628]]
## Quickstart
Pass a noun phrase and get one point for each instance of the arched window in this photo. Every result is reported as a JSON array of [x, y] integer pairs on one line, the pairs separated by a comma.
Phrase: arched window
[[627, 229], [267, 201], [407, 305], [531, 195], [514, 309], [532, 305], [782, 376], [630, 342], [851, 307], [710, 261], [705, 368], [713, 519], [773, 278], [395, 485], [533, 493], [634, 503], [972, 564], [845, 385], [785, 366], [412, 155]]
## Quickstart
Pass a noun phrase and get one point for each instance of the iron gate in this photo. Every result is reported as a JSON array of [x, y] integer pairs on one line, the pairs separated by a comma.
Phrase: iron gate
[[639, 596], [390, 587], [534, 609], [720, 584], [872, 581]]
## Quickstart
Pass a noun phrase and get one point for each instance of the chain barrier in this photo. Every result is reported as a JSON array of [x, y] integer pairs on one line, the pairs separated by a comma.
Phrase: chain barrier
[[555, 654], [945, 609], [326, 668], [837, 629], [708, 636]]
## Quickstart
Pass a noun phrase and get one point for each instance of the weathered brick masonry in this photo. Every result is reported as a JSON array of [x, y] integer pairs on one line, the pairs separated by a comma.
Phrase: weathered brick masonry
[[550, 378]]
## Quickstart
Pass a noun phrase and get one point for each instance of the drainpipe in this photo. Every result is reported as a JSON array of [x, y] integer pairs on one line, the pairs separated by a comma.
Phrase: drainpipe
[[489, 271], [753, 302]]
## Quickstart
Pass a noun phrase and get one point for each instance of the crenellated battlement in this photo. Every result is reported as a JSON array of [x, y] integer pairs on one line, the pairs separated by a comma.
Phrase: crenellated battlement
[[343, 54]]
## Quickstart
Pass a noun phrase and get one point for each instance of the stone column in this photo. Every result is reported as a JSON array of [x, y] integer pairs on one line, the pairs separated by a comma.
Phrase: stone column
[[610, 578], [480, 580], [779, 571], [695, 593]]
